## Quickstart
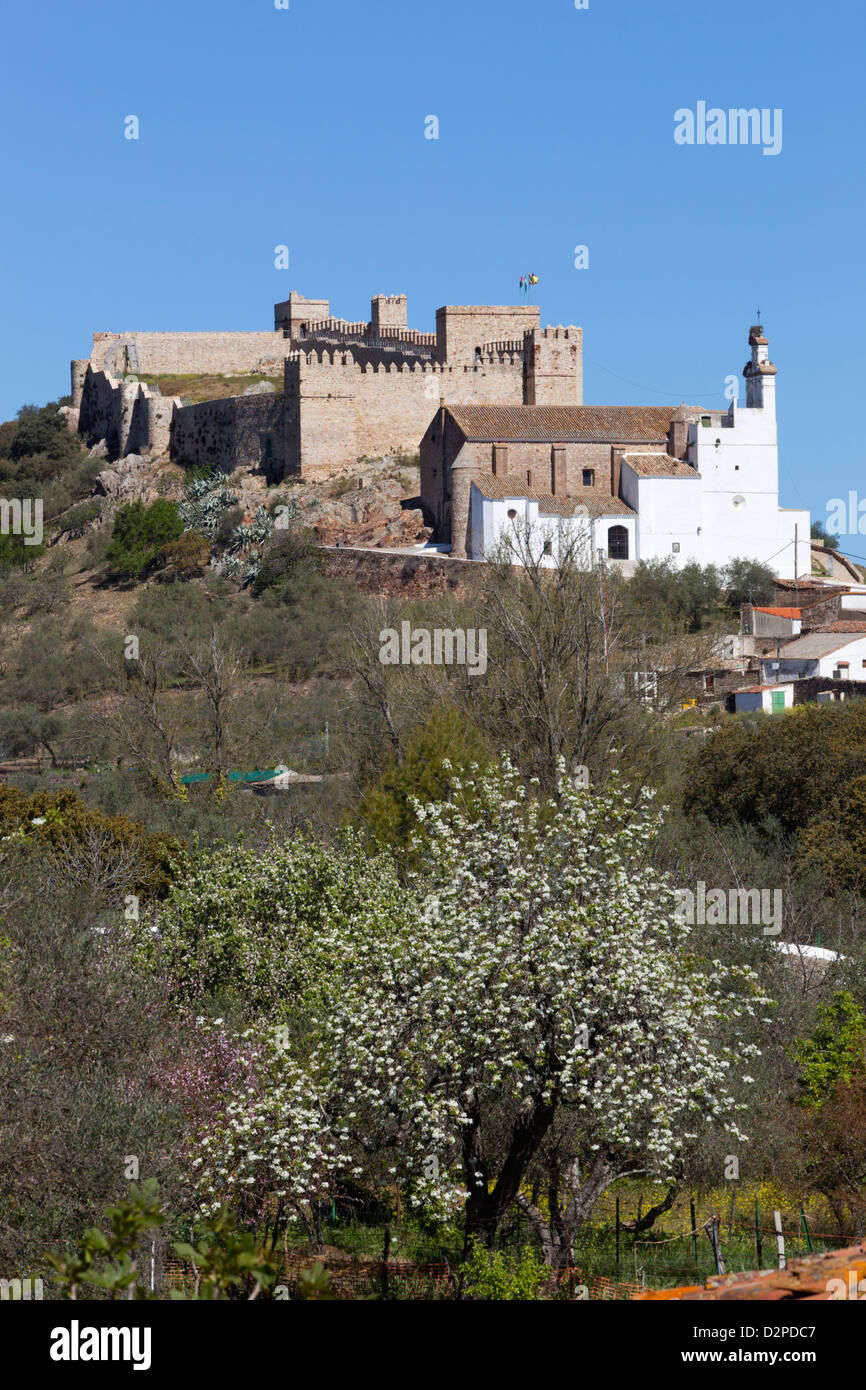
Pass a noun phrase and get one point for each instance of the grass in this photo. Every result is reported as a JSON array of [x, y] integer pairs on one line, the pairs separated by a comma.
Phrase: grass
[[198, 388]]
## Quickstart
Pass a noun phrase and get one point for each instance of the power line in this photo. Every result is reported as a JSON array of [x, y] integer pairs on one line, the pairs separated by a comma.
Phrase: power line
[[652, 389]]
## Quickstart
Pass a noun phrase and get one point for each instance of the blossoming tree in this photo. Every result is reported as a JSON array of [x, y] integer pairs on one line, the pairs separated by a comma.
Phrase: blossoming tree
[[536, 990]]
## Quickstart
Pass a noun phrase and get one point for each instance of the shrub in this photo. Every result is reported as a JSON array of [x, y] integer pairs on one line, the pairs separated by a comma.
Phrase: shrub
[[186, 557], [139, 534], [103, 853], [491, 1275], [76, 521]]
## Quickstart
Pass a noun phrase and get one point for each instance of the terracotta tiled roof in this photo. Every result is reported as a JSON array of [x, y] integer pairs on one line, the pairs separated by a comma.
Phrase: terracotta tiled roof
[[500, 486], [564, 424], [659, 466], [855, 625], [597, 502], [779, 612]]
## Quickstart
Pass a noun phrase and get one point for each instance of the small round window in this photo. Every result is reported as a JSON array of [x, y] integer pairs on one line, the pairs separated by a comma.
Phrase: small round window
[[739, 501], [511, 513]]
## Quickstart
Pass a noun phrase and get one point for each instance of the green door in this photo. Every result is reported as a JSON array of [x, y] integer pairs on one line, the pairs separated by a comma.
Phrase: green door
[[777, 700]]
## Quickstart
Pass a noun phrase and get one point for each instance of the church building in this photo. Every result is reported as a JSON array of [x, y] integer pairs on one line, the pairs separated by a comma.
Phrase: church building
[[630, 482]]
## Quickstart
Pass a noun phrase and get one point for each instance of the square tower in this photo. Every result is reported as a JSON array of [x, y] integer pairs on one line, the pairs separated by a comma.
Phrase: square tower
[[387, 311]]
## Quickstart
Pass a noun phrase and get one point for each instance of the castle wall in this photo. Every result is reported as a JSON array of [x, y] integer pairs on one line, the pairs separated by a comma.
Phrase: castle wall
[[344, 404], [240, 432], [101, 411], [191, 353], [77, 372], [343, 399]]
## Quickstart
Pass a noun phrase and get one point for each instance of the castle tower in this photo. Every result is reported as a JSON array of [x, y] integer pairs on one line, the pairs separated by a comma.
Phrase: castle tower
[[553, 366], [388, 311], [760, 374], [296, 315]]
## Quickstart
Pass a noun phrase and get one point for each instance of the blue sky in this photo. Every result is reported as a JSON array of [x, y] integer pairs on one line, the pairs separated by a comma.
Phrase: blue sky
[[305, 127]]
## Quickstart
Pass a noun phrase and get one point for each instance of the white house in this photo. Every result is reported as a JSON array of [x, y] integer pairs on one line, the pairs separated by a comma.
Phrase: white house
[[770, 699], [831, 654], [498, 505]]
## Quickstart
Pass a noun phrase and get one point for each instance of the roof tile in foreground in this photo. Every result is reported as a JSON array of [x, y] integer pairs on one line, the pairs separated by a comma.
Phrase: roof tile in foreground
[[817, 1278]]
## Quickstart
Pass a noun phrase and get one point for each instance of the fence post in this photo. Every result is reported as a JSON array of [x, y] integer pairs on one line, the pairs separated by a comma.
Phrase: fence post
[[617, 1232], [806, 1231], [758, 1241], [694, 1231], [712, 1229], [780, 1238], [386, 1249]]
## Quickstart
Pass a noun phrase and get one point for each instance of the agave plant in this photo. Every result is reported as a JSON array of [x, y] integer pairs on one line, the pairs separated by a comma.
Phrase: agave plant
[[206, 501]]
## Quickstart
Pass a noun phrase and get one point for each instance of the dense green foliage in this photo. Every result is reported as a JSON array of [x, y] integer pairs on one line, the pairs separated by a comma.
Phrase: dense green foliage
[[39, 457], [139, 535], [836, 1050], [441, 750]]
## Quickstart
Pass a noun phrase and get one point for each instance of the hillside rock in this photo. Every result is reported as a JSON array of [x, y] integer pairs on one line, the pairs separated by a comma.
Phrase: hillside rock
[[130, 479]]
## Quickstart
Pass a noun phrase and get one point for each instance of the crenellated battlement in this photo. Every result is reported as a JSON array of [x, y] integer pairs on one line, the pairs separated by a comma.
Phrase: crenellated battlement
[[558, 331], [359, 357]]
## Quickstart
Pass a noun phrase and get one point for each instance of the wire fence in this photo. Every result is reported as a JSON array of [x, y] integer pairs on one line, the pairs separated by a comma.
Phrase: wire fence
[[405, 1280]]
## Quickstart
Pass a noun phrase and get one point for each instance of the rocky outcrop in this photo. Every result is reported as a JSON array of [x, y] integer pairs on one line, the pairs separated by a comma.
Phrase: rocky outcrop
[[130, 479], [368, 509]]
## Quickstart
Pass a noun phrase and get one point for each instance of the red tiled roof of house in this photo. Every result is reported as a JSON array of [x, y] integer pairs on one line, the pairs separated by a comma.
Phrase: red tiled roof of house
[[564, 424], [758, 689], [779, 612], [501, 487], [659, 466]]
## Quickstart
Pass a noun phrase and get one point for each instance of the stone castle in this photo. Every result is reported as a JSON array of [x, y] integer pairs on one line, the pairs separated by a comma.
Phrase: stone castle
[[333, 391]]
